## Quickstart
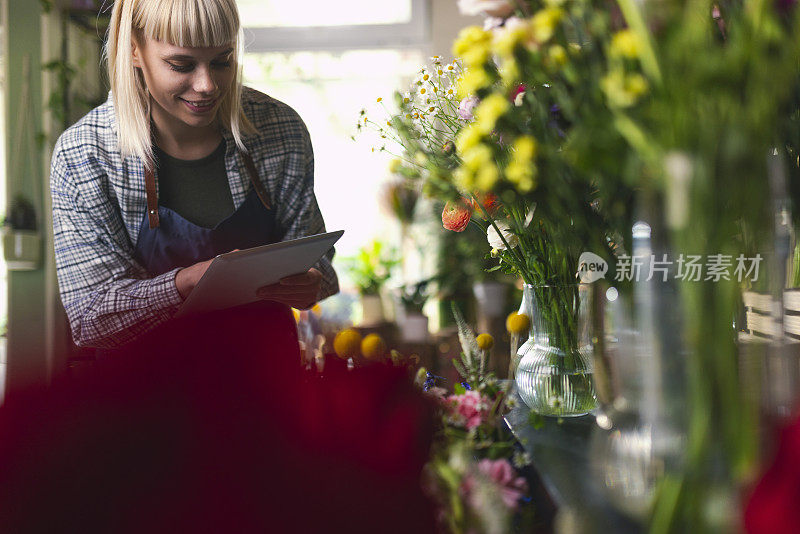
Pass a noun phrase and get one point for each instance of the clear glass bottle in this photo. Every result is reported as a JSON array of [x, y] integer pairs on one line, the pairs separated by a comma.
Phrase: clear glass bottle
[[554, 375]]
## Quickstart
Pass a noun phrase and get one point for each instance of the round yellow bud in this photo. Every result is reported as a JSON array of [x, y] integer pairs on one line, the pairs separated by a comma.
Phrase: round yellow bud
[[395, 165], [485, 341], [516, 323], [347, 343], [373, 347]]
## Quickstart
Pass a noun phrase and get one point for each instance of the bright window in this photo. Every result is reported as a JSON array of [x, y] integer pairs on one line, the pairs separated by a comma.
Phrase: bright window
[[279, 13], [328, 89]]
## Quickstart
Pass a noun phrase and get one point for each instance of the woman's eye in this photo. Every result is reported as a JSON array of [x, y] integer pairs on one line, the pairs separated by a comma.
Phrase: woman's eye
[[222, 64], [180, 68]]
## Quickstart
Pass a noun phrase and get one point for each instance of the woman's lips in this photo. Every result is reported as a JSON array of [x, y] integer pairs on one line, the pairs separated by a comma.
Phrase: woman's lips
[[200, 106]]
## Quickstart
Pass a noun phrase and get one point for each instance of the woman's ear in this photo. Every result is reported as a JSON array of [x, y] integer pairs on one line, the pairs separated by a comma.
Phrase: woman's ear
[[136, 52]]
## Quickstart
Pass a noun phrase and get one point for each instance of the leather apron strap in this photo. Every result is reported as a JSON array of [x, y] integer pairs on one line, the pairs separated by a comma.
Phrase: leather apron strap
[[261, 191], [152, 196]]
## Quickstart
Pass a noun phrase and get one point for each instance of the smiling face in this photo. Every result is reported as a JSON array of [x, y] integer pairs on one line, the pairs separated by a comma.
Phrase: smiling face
[[186, 84]]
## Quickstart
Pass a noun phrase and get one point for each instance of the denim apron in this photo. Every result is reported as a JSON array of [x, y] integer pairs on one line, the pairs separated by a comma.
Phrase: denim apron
[[166, 240]]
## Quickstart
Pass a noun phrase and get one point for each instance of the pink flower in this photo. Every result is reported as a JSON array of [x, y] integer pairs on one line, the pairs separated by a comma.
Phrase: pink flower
[[466, 106], [469, 409], [502, 475], [518, 94]]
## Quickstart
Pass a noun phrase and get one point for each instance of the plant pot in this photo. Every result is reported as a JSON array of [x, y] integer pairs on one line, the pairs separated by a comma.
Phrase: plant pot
[[372, 310], [414, 328], [554, 375], [22, 249], [490, 298]]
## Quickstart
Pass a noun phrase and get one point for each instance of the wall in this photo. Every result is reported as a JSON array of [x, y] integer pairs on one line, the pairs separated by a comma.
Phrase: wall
[[446, 22], [27, 358]]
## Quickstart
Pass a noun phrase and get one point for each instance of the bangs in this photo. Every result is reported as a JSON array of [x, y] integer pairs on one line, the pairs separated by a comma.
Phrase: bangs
[[188, 23]]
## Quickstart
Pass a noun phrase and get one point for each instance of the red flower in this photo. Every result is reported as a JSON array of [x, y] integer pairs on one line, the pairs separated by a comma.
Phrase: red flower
[[773, 506], [489, 201], [456, 215]]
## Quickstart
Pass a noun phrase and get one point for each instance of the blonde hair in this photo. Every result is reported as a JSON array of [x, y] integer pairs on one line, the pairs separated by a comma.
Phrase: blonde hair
[[185, 23]]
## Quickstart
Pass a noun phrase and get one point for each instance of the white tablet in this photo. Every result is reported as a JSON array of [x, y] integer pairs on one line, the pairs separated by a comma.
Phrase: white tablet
[[233, 278]]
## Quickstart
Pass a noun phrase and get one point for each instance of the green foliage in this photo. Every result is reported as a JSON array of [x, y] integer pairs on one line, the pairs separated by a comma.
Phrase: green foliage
[[414, 296], [371, 267]]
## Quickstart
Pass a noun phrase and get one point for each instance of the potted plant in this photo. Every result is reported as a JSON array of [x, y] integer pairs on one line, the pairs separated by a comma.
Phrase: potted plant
[[414, 324], [22, 244], [369, 271]]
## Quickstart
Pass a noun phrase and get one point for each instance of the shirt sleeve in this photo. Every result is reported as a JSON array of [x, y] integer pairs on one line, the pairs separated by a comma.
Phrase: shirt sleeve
[[300, 215], [107, 296]]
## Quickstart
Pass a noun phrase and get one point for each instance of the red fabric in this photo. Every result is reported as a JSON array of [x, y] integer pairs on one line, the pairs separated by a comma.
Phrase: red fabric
[[774, 506], [215, 437]]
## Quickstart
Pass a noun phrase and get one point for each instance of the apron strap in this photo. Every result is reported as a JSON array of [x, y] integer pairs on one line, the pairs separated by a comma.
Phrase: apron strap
[[152, 197], [261, 191]]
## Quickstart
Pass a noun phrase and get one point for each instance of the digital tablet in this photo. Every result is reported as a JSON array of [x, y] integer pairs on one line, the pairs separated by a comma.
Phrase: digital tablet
[[233, 278]]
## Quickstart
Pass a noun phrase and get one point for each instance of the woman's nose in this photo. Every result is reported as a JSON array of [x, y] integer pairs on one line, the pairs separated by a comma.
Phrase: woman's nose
[[204, 82]]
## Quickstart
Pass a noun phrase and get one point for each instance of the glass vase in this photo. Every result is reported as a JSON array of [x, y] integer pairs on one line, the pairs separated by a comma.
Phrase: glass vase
[[554, 375]]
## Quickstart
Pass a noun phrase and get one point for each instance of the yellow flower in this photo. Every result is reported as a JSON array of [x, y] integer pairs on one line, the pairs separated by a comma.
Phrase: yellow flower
[[489, 110], [544, 23], [506, 41], [474, 79], [486, 177], [373, 347], [479, 167], [509, 72], [521, 170], [347, 343], [468, 138], [521, 175], [524, 148], [485, 341], [623, 90], [464, 179], [395, 165], [517, 323], [476, 157], [625, 43], [557, 55], [636, 84], [379, 99], [472, 45], [316, 310]]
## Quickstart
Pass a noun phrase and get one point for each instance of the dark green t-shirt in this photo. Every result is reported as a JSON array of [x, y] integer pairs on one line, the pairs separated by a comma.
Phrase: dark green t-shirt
[[198, 189]]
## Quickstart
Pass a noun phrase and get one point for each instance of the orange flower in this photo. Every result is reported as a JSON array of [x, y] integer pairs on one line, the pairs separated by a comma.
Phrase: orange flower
[[456, 215]]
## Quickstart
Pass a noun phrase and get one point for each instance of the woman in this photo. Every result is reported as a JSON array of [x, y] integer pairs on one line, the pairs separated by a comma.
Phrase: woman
[[180, 164]]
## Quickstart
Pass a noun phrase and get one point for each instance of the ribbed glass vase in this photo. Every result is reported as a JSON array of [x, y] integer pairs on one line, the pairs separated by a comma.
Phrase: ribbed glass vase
[[554, 376]]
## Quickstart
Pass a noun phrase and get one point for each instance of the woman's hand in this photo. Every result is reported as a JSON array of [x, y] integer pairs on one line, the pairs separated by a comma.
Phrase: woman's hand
[[188, 277], [299, 291]]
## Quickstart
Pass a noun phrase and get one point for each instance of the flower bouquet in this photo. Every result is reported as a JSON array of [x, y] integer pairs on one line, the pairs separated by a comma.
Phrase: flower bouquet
[[472, 473]]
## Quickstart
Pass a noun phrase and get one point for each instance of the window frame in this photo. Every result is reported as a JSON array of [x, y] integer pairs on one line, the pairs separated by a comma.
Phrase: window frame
[[415, 33]]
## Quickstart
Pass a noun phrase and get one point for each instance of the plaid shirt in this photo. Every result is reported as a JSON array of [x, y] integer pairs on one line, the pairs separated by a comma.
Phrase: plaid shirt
[[99, 204]]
